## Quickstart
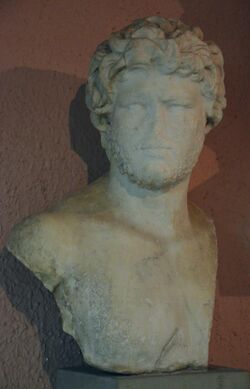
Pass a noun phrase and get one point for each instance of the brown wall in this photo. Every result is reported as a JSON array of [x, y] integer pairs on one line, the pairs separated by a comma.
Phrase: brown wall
[[45, 50]]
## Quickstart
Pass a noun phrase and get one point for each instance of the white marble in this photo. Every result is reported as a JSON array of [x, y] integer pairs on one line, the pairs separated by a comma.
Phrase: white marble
[[132, 265]]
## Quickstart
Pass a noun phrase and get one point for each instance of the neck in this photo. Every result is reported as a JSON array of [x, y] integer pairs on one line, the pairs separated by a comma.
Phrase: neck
[[162, 212]]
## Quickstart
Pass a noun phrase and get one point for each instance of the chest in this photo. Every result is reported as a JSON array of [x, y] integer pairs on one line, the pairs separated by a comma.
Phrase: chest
[[139, 300], [141, 283]]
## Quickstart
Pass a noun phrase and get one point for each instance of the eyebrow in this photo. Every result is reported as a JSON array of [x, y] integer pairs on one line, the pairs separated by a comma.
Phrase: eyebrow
[[134, 97], [186, 97], [131, 98]]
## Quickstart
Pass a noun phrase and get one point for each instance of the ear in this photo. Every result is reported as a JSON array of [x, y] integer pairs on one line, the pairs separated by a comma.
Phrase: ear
[[209, 125], [209, 116], [101, 121]]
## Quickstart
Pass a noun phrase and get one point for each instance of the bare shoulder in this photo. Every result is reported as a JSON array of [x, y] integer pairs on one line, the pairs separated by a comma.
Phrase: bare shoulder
[[46, 243], [91, 200], [28, 242]]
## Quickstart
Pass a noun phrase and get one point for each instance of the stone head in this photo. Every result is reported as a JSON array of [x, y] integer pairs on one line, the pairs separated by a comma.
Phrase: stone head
[[154, 90]]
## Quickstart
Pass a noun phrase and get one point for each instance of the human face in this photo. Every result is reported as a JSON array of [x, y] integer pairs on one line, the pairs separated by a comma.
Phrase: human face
[[158, 123]]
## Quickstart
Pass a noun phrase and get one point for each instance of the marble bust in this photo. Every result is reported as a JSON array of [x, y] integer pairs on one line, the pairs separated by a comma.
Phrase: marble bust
[[131, 264]]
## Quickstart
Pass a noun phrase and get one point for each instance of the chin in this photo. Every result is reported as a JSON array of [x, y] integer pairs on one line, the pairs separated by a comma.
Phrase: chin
[[156, 178], [156, 174]]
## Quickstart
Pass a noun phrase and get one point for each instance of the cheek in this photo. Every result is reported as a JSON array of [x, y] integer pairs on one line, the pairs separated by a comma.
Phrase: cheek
[[127, 132], [188, 132], [130, 117]]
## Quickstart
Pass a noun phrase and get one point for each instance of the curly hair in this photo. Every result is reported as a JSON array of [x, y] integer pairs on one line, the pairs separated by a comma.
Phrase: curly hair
[[170, 46]]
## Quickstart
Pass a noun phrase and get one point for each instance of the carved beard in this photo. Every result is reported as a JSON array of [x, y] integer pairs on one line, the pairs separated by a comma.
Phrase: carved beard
[[144, 176]]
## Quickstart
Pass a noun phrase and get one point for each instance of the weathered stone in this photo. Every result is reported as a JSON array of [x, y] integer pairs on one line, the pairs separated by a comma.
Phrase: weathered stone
[[131, 265]]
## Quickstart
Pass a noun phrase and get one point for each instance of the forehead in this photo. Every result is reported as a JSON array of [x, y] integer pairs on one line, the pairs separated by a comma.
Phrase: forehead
[[145, 82]]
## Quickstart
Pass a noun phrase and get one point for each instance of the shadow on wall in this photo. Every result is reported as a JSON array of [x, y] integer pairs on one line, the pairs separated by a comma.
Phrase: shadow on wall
[[37, 164], [85, 139]]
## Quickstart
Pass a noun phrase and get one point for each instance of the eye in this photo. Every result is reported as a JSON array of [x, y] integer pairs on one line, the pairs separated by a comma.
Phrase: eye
[[135, 107], [135, 111], [132, 115], [175, 103]]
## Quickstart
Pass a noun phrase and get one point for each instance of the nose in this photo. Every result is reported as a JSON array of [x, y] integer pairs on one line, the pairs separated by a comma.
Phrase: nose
[[159, 121]]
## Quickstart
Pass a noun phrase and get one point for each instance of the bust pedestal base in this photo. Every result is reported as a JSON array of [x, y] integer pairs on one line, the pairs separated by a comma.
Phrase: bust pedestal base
[[214, 378]]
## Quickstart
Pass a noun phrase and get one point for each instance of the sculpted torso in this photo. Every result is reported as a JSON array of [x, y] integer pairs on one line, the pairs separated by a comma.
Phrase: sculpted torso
[[131, 299], [131, 265]]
